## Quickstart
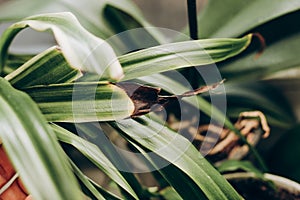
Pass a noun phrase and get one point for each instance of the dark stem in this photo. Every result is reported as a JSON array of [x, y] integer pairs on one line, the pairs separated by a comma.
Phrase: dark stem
[[192, 15], [191, 73]]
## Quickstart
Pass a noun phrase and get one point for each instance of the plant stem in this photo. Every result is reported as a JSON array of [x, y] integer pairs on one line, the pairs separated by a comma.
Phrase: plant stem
[[192, 73], [192, 15]]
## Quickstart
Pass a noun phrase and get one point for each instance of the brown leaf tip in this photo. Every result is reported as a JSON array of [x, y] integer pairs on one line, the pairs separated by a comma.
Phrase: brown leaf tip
[[262, 44], [147, 99], [143, 97]]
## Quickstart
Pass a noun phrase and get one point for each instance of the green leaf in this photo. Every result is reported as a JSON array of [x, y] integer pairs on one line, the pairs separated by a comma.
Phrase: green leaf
[[82, 102], [280, 55], [188, 190], [95, 155], [94, 189], [95, 133], [234, 18], [180, 152], [178, 55], [33, 149], [86, 182], [14, 62], [48, 67], [81, 49], [234, 165], [103, 18], [259, 96], [215, 114], [169, 193], [284, 154]]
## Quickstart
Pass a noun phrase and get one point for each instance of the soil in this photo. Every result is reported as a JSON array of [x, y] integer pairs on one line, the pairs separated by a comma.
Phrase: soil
[[251, 188]]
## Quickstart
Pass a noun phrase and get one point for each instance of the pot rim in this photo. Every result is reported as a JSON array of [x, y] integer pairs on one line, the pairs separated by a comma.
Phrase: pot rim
[[279, 181]]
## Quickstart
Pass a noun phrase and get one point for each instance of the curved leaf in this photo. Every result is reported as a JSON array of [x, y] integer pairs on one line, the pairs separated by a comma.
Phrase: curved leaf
[[14, 62], [182, 54], [234, 18], [96, 133], [215, 114], [169, 193], [234, 165], [181, 153], [94, 188], [94, 16], [81, 49], [280, 55], [86, 182], [48, 67], [259, 96], [82, 102], [33, 149], [188, 190], [95, 155]]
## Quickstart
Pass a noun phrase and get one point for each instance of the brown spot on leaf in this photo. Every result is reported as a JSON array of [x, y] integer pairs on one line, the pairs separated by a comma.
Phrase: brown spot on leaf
[[147, 99], [262, 44], [143, 97]]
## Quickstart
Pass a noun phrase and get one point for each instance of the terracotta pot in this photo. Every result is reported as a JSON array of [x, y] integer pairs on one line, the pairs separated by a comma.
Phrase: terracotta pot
[[10, 185], [251, 187]]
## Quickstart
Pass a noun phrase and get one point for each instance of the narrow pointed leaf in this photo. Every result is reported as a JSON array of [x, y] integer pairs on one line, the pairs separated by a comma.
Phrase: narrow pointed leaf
[[259, 96], [237, 17], [95, 155], [210, 110], [14, 62], [178, 55], [95, 16], [48, 67], [96, 134], [86, 182], [278, 56], [169, 193], [82, 102], [181, 153], [234, 165], [188, 190], [33, 149], [81, 49]]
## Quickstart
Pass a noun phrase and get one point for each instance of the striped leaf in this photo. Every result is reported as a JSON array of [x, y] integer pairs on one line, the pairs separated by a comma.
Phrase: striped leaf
[[14, 62], [237, 17], [95, 155], [209, 109], [188, 190], [82, 102], [180, 152], [86, 182], [178, 55], [103, 18], [33, 149], [48, 67], [81, 49]]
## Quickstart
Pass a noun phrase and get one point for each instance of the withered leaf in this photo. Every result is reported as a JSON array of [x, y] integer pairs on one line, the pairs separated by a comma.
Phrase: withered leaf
[[147, 99]]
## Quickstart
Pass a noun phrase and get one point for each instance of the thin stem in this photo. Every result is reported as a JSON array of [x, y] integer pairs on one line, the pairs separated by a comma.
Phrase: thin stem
[[192, 15], [192, 73]]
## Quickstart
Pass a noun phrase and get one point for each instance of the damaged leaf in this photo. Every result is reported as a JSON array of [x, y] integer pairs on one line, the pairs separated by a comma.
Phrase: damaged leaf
[[147, 99], [224, 144], [100, 101]]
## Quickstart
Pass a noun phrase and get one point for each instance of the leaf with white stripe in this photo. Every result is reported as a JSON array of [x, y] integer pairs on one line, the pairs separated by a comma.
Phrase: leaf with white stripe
[[81, 49]]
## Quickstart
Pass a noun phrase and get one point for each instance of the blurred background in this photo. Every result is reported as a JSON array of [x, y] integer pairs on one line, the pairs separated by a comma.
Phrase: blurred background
[[282, 149]]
